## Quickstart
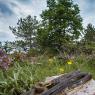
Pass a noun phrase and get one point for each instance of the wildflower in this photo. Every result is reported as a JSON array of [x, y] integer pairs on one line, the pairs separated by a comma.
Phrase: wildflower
[[4, 65], [50, 61], [1, 52], [70, 62], [0, 59], [4, 60], [61, 70]]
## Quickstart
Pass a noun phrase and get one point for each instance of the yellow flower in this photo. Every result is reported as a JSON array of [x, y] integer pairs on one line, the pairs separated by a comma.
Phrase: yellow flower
[[50, 61], [70, 62], [61, 70]]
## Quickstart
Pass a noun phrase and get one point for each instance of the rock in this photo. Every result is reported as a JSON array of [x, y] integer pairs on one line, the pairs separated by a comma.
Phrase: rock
[[86, 89]]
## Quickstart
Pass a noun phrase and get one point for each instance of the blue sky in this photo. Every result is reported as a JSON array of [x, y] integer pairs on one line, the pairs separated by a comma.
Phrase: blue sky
[[12, 10]]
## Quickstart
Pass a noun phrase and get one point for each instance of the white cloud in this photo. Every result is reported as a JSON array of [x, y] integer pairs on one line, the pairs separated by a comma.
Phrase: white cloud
[[19, 9], [35, 7], [87, 11]]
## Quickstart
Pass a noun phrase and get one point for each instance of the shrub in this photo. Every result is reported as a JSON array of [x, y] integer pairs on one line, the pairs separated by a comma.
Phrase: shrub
[[19, 56]]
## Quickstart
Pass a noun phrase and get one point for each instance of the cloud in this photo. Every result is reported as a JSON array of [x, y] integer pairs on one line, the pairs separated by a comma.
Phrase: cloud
[[87, 11], [4, 9], [24, 1], [5, 36], [12, 10]]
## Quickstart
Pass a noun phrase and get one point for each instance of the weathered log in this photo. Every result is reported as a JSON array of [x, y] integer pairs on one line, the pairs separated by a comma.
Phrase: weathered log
[[72, 84], [67, 83], [81, 81], [60, 78], [64, 77], [60, 84]]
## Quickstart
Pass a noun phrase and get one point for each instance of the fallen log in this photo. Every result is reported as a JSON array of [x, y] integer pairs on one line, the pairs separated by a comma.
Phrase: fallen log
[[60, 87], [60, 84], [64, 77]]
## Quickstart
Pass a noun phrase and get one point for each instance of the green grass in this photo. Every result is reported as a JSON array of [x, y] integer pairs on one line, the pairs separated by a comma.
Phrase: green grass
[[22, 76]]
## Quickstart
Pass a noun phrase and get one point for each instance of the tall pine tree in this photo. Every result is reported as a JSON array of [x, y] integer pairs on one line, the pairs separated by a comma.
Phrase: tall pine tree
[[26, 30]]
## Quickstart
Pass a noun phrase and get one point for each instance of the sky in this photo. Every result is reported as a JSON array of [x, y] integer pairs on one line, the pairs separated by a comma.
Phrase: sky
[[12, 10]]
